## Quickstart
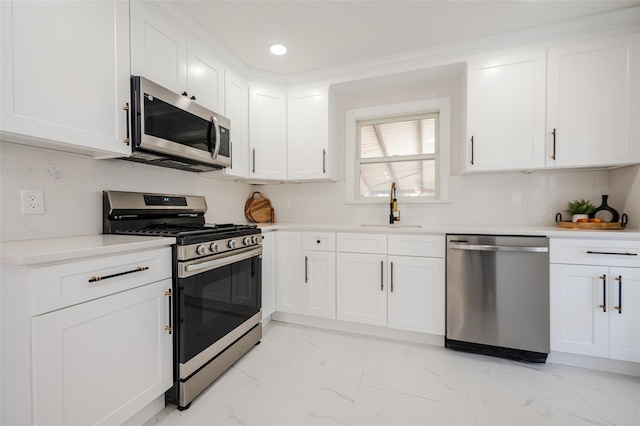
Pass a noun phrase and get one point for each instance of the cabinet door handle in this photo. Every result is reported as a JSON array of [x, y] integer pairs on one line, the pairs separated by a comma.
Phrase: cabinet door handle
[[382, 275], [391, 283], [612, 253], [253, 161], [619, 307], [324, 161], [306, 268], [472, 150], [125, 108], [231, 155], [604, 293], [169, 328], [553, 155], [106, 277]]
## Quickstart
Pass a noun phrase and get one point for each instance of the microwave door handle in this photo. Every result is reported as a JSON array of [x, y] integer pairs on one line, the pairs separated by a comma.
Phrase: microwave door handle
[[209, 126], [214, 154]]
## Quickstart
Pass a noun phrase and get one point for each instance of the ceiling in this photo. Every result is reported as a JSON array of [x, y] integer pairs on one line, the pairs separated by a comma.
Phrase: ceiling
[[326, 33]]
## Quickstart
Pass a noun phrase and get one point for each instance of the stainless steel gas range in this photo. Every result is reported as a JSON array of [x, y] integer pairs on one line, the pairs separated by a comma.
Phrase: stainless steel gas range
[[217, 283]]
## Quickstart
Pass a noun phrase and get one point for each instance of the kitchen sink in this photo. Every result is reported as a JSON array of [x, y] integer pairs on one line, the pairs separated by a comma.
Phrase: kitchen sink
[[395, 225]]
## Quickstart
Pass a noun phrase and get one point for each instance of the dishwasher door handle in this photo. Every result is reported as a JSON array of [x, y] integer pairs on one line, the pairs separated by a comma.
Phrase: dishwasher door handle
[[487, 247]]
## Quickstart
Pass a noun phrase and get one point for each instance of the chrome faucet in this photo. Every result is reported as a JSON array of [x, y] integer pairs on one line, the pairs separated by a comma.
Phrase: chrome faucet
[[394, 213]]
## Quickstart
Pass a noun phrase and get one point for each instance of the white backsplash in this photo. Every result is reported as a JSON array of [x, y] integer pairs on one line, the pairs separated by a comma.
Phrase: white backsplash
[[73, 186], [475, 199]]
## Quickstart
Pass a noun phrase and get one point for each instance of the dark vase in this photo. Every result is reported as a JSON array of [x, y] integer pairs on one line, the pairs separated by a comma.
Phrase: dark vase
[[606, 208]]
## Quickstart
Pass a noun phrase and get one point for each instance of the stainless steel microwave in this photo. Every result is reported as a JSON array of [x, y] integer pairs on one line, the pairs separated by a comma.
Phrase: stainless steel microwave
[[171, 130]]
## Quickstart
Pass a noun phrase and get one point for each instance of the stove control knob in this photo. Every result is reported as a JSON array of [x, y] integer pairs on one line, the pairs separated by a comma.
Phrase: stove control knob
[[214, 247], [246, 241], [231, 244], [254, 240], [201, 250]]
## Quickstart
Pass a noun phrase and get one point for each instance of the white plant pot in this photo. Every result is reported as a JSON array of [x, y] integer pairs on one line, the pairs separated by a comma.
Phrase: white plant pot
[[579, 216]]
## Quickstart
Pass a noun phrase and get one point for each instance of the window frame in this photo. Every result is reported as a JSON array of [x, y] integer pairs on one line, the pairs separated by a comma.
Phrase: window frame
[[442, 106]]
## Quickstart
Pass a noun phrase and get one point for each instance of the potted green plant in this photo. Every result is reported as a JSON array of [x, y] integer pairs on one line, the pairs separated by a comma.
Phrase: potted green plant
[[580, 209]]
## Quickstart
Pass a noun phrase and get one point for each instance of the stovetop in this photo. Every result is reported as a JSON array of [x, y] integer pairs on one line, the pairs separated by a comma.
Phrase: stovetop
[[192, 234], [167, 215]]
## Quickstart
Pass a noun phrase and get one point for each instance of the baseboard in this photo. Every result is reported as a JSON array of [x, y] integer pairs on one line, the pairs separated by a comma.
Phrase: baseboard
[[355, 328], [595, 363]]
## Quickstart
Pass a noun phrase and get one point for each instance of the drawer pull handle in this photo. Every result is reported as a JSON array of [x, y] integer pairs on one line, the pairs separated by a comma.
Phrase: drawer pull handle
[[381, 275], [138, 269], [612, 253]]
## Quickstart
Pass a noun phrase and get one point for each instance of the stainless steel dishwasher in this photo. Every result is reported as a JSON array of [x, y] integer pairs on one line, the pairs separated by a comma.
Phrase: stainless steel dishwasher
[[498, 296]]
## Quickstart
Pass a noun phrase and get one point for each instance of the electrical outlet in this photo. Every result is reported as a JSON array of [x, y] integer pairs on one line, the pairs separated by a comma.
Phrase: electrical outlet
[[287, 202], [32, 201]]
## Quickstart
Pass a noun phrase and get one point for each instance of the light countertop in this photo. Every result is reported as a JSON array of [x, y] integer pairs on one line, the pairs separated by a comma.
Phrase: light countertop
[[49, 250], [547, 231]]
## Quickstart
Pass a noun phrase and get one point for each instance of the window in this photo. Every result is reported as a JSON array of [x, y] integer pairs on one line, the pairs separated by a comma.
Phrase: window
[[404, 143]]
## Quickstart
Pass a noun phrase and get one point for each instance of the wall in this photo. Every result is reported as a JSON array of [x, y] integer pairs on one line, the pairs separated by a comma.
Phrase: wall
[[73, 186], [625, 191]]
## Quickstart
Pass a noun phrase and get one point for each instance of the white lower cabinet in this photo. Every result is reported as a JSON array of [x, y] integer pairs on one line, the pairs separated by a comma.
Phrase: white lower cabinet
[[288, 272], [403, 289], [416, 294], [268, 274], [361, 288], [86, 341], [595, 298], [97, 362], [305, 273], [319, 284]]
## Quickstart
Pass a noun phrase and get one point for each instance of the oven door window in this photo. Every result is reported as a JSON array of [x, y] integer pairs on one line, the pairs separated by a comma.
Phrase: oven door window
[[215, 302]]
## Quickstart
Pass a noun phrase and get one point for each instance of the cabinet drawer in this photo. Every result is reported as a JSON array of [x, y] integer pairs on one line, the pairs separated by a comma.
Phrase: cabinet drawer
[[66, 284], [319, 241], [595, 252], [416, 245], [362, 243]]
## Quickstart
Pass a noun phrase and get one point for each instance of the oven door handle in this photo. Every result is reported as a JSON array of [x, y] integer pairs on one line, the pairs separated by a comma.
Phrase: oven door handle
[[224, 261]]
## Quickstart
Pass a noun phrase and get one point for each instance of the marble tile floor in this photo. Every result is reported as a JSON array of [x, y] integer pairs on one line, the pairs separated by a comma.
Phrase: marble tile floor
[[306, 376]]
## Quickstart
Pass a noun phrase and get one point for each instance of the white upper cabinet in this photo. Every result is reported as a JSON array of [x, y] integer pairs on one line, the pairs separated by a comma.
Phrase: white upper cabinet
[[65, 75], [267, 133], [162, 53], [310, 145], [506, 112], [205, 78], [571, 106], [594, 103], [158, 49], [236, 105]]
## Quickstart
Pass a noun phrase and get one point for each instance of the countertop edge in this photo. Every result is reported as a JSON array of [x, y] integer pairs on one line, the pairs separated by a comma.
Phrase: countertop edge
[[546, 231], [65, 249]]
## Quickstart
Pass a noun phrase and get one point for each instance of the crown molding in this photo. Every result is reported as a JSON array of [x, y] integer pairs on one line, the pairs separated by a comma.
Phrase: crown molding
[[617, 22]]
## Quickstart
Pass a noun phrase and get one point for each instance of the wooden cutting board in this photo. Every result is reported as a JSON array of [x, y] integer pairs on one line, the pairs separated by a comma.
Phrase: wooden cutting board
[[591, 225], [258, 209]]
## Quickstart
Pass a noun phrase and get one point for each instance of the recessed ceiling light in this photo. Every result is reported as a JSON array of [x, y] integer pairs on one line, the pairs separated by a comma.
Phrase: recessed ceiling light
[[278, 49]]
